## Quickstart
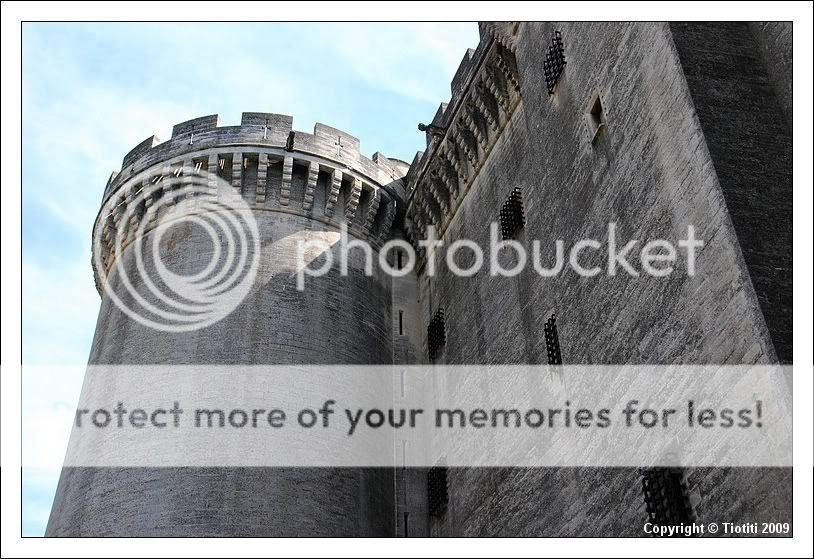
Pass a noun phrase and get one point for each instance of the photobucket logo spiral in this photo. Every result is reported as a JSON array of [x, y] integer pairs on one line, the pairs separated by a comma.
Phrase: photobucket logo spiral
[[193, 220]]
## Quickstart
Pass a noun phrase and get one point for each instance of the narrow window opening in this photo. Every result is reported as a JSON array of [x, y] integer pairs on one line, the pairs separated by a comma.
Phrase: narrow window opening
[[596, 113], [406, 524], [437, 491], [512, 218], [436, 334], [398, 260], [554, 63], [666, 496], [552, 341], [401, 323], [596, 121]]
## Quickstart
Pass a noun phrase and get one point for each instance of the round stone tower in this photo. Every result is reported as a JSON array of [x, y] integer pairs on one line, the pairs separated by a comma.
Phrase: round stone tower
[[296, 185]]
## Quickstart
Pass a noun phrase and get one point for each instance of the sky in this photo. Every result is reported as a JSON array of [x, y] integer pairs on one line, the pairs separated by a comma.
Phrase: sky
[[91, 92]]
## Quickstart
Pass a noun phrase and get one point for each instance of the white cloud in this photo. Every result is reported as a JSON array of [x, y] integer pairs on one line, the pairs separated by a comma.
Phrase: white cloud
[[400, 57]]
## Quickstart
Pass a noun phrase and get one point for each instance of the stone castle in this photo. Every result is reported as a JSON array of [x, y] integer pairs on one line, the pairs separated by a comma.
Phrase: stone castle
[[558, 128]]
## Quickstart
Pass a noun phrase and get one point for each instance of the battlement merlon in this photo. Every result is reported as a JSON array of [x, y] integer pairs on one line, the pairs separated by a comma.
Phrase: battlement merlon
[[264, 130]]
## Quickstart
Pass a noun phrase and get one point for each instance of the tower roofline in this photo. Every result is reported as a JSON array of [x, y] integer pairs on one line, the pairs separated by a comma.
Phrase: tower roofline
[[264, 130]]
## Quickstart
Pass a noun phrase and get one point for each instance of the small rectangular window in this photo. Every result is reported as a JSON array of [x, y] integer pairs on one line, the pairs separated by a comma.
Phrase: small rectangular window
[[666, 496], [596, 122], [401, 323], [552, 341], [554, 63], [436, 334], [437, 492], [398, 260], [512, 218]]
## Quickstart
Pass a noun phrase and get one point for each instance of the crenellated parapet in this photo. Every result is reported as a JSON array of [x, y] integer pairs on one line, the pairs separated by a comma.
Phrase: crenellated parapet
[[321, 176], [268, 130], [485, 92]]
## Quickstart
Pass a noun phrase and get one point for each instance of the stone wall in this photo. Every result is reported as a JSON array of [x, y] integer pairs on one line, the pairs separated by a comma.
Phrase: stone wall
[[751, 147], [653, 173]]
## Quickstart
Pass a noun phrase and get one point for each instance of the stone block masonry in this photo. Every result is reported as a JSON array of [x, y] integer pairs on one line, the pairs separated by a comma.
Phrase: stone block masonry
[[652, 126], [665, 159]]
